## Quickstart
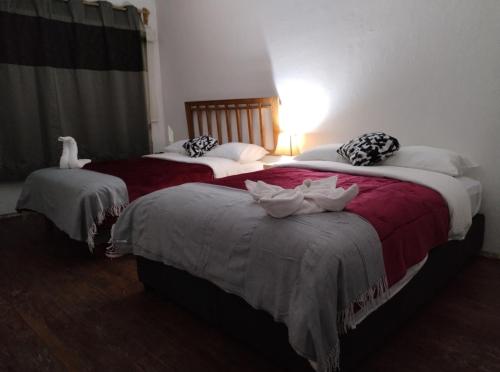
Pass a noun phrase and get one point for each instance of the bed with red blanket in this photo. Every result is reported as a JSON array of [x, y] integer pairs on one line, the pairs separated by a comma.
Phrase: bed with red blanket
[[84, 203], [426, 233]]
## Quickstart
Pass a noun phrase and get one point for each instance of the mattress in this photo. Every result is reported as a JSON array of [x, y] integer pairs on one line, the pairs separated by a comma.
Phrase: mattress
[[475, 191]]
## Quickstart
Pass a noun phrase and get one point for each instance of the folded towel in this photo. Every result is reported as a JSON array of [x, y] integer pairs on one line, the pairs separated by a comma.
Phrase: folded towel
[[69, 157], [310, 197]]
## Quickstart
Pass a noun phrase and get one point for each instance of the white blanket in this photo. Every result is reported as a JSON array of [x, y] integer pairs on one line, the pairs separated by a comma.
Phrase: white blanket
[[451, 189], [310, 197], [222, 167]]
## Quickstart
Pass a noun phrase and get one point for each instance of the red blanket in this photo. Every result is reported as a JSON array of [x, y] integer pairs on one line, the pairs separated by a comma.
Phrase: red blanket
[[410, 219], [145, 175]]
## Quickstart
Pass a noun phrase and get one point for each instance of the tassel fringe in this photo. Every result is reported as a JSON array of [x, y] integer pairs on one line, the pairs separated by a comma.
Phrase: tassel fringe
[[114, 211], [346, 319], [333, 360]]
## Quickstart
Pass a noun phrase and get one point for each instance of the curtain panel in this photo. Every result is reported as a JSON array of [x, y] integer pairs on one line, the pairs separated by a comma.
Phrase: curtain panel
[[69, 69]]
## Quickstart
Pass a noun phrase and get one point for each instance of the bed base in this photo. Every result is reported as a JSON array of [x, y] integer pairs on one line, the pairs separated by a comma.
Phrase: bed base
[[260, 331]]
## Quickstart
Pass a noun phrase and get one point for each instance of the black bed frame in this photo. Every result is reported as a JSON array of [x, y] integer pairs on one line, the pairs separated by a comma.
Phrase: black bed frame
[[260, 331]]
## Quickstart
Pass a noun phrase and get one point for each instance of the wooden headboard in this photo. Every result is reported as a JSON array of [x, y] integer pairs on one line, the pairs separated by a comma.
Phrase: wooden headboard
[[250, 120]]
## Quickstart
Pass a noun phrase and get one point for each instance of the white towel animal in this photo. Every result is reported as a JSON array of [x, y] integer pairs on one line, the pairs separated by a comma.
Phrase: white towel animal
[[310, 197], [69, 157]]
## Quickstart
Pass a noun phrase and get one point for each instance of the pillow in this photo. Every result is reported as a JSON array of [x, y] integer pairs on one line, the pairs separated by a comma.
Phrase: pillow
[[237, 151], [431, 159], [176, 147], [369, 149], [199, 146], [325, 152]]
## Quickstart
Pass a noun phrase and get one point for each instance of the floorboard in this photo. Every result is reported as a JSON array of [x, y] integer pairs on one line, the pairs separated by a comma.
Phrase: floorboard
[[62, 309]]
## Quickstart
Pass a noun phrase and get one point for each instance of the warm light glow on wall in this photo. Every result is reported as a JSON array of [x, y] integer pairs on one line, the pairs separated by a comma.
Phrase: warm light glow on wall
[[303, 106], [288, 144]]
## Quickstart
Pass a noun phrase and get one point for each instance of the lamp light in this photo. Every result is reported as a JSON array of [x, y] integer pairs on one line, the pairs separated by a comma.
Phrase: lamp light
[[304, 105], [288, 144]]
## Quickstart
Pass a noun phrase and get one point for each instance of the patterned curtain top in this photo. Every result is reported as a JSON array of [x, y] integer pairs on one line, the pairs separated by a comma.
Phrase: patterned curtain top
[[73, 35]]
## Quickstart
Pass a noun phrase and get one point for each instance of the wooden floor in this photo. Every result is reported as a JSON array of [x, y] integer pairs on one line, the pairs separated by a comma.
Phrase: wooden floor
[[62, 310]]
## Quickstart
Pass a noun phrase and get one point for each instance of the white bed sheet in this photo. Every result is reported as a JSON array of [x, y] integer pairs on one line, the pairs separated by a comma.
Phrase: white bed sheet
[[475, 191], [222, 167]]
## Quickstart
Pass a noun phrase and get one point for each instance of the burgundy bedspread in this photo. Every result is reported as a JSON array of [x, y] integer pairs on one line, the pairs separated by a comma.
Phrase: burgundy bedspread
[[410, 219], [145, 175]]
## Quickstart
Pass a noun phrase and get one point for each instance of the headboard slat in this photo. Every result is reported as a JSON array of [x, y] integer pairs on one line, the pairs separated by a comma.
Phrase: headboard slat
[[208, 115], [267, 115], [200, 121], [238, 124], [261, 125], [219, 127], [228, 126], [250, 125]]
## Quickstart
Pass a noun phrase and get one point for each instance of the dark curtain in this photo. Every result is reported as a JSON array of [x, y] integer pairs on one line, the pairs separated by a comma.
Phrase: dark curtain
[[69, 69]]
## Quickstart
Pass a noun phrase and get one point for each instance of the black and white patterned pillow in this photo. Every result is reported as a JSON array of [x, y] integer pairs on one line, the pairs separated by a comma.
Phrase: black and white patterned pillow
[[369, 148], [198, 146]]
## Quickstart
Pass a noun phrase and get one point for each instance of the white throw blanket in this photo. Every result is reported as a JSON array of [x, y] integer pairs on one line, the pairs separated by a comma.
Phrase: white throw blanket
[[69, 157], [310, 197]]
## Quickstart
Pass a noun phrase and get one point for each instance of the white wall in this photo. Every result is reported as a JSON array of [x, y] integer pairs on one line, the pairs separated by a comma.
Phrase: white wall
[[426, 71], [206, 55]]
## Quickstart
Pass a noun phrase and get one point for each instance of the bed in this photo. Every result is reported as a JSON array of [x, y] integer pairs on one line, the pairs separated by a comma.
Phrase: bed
[[426, 223], [84, 203]]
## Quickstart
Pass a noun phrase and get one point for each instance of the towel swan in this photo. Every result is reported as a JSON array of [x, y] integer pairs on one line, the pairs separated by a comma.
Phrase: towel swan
[[69, 157], [310, 197]]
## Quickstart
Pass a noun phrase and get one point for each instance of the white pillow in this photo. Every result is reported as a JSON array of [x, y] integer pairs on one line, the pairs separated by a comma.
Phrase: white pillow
[[325, 152], [176, 147], [431, 159], [237, 151]]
